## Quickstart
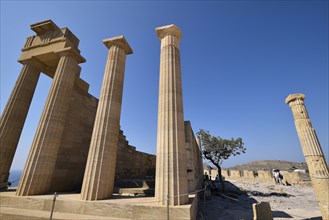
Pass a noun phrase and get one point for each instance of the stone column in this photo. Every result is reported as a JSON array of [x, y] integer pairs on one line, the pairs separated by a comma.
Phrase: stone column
[[99, 175], [14, 115], [171, 169], [38, 172], [312, 151]]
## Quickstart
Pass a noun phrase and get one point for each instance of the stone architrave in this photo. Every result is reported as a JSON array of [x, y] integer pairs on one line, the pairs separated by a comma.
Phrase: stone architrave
[[99, 175], [14, 115], [171, 186], [38, 171], [313, 154]]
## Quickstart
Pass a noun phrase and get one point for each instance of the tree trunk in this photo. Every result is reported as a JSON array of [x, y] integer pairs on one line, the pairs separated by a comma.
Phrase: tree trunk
[[220, 177]]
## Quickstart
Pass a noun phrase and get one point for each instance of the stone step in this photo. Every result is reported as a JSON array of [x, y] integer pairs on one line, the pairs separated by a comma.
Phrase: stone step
[[135, 191], [70, 206], [7, 213]]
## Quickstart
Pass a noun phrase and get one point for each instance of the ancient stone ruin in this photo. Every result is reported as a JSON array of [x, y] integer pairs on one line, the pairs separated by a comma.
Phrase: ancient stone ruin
[[312, 150], [78, 146], [80, 152]]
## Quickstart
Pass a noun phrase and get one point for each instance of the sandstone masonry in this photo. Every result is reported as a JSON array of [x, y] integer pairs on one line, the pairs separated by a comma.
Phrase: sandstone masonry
[[58, 155], [171, 178], [314, 157], [78, 146]]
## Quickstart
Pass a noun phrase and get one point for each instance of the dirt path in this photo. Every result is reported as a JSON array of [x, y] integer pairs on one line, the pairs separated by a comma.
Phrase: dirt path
[[287, 202]]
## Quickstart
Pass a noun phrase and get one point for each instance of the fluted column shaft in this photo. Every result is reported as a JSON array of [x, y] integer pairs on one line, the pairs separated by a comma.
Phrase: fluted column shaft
[[99, 175], [14, 115], [171, 168], [40, 165], [315, 160]]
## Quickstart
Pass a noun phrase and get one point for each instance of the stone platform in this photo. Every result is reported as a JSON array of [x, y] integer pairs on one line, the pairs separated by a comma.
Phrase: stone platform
[[133, 187], [69, 206]]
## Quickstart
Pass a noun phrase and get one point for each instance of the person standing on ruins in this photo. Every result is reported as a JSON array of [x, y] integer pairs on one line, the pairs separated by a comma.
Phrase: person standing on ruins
[[278, 178]]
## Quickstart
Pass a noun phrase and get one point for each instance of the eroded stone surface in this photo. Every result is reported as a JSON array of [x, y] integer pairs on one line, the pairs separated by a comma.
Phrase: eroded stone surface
[[315, 160], [14, 115], [99, 176], [70, 128], [171, 184], [262, 211]]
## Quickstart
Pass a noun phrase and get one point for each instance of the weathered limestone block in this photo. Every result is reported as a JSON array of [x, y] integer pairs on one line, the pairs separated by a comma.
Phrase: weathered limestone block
[[75, 142], [14, 115], [42, 49], [295, 178], [171, 175], [264, 175], [235, 174], [99, 175], [249, 175], [262, 211], [225, 174], [194, 159], [132, 163], [315, 160]]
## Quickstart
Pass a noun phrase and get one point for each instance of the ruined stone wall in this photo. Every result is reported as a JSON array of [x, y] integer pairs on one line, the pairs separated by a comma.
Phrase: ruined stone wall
[[132, 163], [72, 156], [73, 153], [135, 164], [194, 159], [293, 178]]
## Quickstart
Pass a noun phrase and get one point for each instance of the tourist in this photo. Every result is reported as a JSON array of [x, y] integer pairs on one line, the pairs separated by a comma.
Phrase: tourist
[[278, 177]]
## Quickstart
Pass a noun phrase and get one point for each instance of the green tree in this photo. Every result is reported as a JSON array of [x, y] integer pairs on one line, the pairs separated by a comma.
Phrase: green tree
[[216, 149]]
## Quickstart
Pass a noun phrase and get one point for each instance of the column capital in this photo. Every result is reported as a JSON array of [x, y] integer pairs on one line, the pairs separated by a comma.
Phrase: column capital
[[119, 41], [171, 29], [293, 97]]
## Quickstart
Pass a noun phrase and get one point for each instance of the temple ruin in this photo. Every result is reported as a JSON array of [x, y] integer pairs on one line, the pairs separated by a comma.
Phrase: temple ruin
[[78, 147], [312, 151]]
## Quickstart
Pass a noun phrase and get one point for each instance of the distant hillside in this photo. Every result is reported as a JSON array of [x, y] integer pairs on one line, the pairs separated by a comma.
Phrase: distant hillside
[[269, 165]]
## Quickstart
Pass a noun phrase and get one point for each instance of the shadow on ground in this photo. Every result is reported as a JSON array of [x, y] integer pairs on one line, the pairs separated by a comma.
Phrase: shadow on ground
[[261, 194], [231, 205], [280, 214]]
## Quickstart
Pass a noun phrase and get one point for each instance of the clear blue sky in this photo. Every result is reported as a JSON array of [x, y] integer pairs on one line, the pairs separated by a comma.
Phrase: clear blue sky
[[240, 60]]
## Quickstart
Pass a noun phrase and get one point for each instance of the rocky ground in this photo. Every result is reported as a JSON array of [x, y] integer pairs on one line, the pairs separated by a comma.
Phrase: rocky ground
[[287, 202]]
